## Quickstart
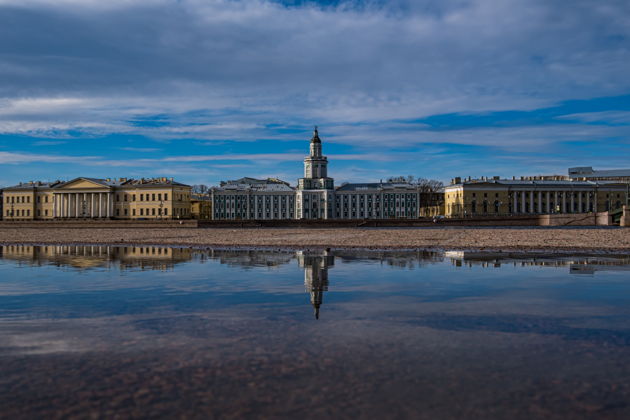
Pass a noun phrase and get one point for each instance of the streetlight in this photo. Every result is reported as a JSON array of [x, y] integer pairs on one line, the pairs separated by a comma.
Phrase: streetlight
[[161, 208]]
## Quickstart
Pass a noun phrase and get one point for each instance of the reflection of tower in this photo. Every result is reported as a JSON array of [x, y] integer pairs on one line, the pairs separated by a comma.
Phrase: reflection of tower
[[316, 275]]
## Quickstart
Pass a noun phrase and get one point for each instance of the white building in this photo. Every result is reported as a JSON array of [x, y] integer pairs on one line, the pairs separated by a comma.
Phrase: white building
[[253, 199], [315, 196]]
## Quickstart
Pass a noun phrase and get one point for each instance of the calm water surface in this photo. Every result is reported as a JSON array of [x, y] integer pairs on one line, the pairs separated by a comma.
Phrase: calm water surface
[[91, 332]]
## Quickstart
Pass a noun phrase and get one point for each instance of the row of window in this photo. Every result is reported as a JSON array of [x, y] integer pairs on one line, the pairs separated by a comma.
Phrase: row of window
[[125, 197], [243, 198], [18, 213], [146, 197], [19, 199]]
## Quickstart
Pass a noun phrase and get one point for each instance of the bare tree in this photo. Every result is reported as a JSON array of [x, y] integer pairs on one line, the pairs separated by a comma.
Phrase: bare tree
[[409, 179], [202, 190]]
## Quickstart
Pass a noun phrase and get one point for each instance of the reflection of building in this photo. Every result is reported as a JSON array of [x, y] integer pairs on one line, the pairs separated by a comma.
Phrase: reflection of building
[[83, 198], [316, 275], [250, 258], [576, 265], [91, 256]]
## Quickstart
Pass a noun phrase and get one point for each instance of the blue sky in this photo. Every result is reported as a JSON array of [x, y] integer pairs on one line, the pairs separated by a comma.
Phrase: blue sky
[[218, 89]]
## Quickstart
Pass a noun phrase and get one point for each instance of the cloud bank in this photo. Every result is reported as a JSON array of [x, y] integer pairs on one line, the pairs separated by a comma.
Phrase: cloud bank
[[369, 72]]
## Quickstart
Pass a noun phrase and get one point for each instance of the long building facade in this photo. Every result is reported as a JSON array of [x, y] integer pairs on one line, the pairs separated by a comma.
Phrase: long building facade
[[92, 198], [315, 196], [484, 197], [253, 199]]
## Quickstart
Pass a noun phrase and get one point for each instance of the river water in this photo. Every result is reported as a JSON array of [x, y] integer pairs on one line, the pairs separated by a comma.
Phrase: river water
[[95, 331]]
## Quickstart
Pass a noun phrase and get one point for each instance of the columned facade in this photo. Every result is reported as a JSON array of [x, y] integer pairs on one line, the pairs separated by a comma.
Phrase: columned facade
[[524, 197], [83, 205]]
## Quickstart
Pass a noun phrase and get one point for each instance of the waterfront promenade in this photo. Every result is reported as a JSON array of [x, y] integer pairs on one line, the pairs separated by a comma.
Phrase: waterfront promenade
[[505, 238]]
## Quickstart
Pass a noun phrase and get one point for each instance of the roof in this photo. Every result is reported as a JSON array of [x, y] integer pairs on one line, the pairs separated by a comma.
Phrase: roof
[[589, 172], [379, 186], [253, 184], [31, 185], [108, 182], [518, 182], [315, 138], [255, 187]]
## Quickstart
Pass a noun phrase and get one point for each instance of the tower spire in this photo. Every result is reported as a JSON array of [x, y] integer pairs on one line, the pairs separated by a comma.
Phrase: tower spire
[[315, 138]]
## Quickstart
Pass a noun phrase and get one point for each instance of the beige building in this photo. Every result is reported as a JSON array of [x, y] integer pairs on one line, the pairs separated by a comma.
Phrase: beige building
[[487, 197], [92, 198], [201, 207]]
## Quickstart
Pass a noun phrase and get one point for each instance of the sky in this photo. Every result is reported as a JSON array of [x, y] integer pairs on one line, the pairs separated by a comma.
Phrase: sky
[[210, 90]]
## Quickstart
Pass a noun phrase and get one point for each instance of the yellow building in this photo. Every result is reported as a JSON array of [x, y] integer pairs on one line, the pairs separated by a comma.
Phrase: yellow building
[[92, 198], [201, 207], [494, 197]]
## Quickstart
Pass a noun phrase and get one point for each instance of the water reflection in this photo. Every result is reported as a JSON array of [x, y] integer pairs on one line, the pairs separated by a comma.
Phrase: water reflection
[[586, 264], [97, 331], [316, 267], [85, 257]]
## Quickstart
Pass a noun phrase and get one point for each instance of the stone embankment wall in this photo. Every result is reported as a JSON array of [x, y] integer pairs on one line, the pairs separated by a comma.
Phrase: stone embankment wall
[[126, 224], [591, 219], [587, 219], [625, 218]]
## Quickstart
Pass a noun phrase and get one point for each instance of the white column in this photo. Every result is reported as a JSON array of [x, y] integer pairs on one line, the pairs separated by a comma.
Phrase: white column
[[588, 201], [100, 205], [54, 205], [572, 201], [109, 201], [595, 201], [555, 201], [92, 195], [580, 202], [523, 202], [515, 206], [540, 201], [548, 204], [531, 201]]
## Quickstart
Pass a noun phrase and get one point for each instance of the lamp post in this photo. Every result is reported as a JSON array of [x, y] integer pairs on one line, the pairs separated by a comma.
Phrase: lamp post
[[84, 208], [161, 208]]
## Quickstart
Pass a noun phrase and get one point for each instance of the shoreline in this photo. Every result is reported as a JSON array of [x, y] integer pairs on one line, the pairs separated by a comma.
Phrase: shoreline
[[541, 252], [499, 240]]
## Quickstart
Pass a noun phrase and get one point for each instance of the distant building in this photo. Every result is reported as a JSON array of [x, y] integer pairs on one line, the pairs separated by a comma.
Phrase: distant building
[[92, 198], [587, 173], [485, 197], [253, 199], [201, 206], [317, 198]]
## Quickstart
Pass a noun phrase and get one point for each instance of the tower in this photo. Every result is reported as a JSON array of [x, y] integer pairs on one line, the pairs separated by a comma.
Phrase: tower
[[315, 192]]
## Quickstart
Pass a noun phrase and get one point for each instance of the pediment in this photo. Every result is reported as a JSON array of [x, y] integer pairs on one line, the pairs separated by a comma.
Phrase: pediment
[[82, 184]]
